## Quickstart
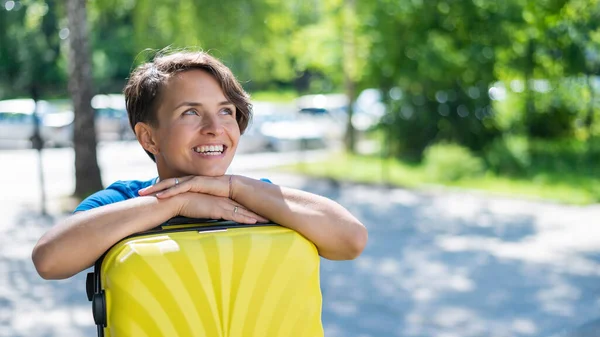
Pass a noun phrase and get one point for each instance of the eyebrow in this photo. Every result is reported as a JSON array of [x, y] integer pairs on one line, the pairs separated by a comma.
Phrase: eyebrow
[[194, 104]]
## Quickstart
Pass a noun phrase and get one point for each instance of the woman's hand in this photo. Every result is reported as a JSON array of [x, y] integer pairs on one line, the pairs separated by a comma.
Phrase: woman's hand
[[200, 205], [203, 197], [216, 186]]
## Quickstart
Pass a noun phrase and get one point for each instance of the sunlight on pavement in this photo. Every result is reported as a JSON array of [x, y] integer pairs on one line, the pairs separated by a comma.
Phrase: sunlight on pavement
[[437, 263]]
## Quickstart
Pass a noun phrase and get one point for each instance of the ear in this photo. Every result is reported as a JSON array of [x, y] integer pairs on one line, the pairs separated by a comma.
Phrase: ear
[[146, 136]]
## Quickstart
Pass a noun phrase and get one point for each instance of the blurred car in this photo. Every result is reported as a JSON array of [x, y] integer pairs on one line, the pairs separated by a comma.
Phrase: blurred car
[[294, 133], [253, 140], [112, 122], [279, 128], [17, 123], [368, 109]]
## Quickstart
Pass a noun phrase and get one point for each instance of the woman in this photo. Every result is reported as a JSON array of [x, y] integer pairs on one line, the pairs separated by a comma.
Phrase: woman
[[188, 112]]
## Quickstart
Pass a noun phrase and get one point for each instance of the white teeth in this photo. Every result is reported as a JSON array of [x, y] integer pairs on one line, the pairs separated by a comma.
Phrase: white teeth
[[209, 149]]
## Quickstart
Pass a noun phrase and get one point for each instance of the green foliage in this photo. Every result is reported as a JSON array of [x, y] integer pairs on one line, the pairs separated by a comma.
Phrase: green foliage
[[555, 120], [451, 162], [279, 96], [560, 109], [561, 187], [508, 155], [565, 157], [519, 156], [459, 115], [443, 66], [435, 61], [30, 48]]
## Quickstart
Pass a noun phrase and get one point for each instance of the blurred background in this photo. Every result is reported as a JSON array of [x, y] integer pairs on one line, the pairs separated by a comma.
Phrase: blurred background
[[464, 134]]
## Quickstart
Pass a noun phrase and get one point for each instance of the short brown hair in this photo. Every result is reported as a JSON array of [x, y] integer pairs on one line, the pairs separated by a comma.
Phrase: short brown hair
[[145, 84]]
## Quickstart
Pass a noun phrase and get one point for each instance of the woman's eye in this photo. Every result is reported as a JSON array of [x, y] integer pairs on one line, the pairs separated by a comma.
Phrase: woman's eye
[[227, 111], [190, 112]]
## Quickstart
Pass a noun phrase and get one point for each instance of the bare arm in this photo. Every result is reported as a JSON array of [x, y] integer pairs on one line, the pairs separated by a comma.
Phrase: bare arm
[[337, 234], [79, 240]]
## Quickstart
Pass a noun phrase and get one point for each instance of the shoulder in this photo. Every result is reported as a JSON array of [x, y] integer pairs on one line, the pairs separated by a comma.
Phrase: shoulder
[[130, 188], [118, 191]]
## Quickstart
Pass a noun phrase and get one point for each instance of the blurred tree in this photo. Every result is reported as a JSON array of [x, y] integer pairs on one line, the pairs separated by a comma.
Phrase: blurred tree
[[29, 49], [438, 59], [579, 27], [264, 41], [334, 44], [434, 60], [532, 55], [113, 44], [261, 32], [87, 172], [250, 38]]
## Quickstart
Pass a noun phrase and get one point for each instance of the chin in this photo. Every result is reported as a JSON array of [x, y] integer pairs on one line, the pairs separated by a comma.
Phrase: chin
[[215, 172]]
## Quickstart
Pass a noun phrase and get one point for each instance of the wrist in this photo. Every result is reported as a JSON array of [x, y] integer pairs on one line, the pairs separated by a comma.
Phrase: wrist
[[230, 186], [175, 204], [234, 186]]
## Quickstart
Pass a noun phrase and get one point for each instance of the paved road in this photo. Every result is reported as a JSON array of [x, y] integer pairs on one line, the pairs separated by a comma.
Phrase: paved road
[[438, 263]]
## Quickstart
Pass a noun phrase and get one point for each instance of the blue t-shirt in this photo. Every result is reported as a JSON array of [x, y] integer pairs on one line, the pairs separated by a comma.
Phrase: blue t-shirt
[[118, 191]]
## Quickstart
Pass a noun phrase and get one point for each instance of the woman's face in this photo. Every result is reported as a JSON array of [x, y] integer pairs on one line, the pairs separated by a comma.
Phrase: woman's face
[[197, 132]]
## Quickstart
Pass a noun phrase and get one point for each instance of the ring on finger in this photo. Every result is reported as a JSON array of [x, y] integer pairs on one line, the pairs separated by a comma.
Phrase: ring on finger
[[235, 209], [176, 181]]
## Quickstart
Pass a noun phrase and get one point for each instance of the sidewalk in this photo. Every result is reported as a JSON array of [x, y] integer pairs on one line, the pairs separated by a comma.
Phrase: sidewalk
[[437, 264]]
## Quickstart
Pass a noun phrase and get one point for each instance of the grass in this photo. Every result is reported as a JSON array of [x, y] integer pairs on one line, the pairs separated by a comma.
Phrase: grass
[[280, 96], [568, 189]]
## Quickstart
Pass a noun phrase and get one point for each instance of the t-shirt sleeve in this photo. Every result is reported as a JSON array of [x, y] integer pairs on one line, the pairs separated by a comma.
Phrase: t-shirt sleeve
[[100, 198]]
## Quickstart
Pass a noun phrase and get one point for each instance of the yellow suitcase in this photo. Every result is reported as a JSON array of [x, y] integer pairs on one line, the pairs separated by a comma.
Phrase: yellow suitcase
[[192, 277]]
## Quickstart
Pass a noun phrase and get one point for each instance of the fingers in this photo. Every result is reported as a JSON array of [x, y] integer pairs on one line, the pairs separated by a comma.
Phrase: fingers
[[177, 189], [199, 205], [217, 186], [235, 212], [248, 214], [242, 219], [169, 185]]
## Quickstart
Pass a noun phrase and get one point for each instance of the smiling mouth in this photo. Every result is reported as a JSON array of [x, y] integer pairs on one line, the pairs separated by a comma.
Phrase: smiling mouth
[[210, 150]]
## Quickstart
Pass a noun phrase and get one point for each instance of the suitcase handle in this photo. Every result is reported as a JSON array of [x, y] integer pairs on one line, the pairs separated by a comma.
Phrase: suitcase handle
[[182, 220]]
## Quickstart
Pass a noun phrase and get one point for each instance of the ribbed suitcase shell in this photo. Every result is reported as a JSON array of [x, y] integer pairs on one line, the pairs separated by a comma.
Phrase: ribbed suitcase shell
[[249, 281]]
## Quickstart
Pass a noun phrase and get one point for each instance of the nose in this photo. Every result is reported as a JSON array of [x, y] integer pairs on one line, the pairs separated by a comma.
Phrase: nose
[[211, 126]]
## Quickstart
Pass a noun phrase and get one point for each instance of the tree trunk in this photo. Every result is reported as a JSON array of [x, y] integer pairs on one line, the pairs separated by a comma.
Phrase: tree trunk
[[37, 143], [87, 172], [529, 68], [350, 131], [349, 67], [589, 119]]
